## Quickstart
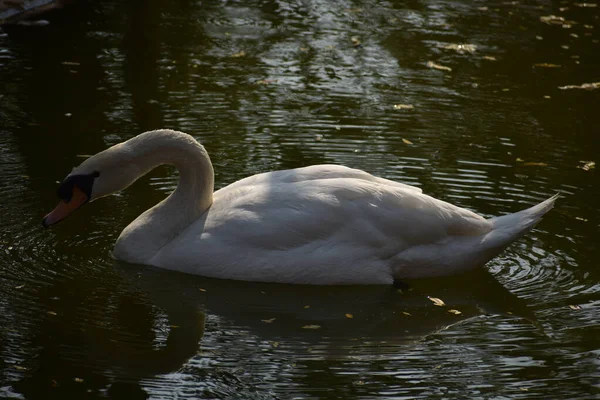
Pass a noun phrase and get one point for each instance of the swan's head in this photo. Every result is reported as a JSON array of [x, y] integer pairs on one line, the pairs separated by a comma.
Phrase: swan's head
[[100, 175]]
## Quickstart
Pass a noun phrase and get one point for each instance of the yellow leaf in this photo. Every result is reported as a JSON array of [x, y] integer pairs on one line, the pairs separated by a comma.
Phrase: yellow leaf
[[275, 344], [547, 65], [585, 86], [436, 301], [239, 54], [403, 106], [355, 41], [311, 326], [51, 313], [350, 316], [202, 290], [489, 58], [78, 380], [456, 312], [407, 313], [587, 165], [406, 141], [520, 159], [440, 67], [268, 321], [535, 164], [574, 307], [306, 306]]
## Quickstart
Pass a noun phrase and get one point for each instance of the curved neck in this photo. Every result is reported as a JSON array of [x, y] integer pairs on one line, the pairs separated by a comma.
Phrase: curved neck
[[156, 227]]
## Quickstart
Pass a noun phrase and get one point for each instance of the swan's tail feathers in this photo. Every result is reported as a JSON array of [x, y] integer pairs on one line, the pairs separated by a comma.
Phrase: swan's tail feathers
[[508, 228]]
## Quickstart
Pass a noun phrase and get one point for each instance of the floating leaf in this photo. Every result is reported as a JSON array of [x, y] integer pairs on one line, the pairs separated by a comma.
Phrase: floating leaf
[[555, 20], [535, 164], [440, 67], [355, 41], [174, 326], [403, 106], [460, 48], [19, 368], [266, 81], [489, 58], [455, 312], [202, 289], [436, 301], [311, 327], [306, 306], [349, 316], [318, 137], [407, 313], [268, 321], [574, 307], [546, 65], [19, 287], [406, 141], [78, 380], [51, 313], [584, 86], [587, 165], [275, 344], [239, 54]]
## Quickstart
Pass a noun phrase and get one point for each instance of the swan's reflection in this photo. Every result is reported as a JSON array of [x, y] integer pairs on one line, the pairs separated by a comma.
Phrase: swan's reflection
[[346, 315]]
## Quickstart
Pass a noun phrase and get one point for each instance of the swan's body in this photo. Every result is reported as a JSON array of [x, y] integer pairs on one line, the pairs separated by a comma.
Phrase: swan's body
[[323, 224]]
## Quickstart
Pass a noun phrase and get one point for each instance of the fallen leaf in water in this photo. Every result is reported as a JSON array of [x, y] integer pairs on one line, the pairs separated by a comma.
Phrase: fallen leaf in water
[[406, 141], [547, 97], [436, 301], [311, 327], [585, 86], [202, 289], [482, 8], [520, 159], [306, 306], [19, 368], [78, 380], [275, 344], [266, 81], [460, 48], [555, 20], [489, 58], [433, 65], [574, 307], [535, 164], [239, 54], [587, 165], [563, 9], [174, 326], [581, 219], [455, 312], [268, 321], [403, 106], [349, 316], [355, 41], [318, 137], [51, 313], [547, 65], [19, 287], [588, 26], [407, 313]]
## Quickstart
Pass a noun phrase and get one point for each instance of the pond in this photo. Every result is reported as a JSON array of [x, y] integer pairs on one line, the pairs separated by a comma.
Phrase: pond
[[492, 106]]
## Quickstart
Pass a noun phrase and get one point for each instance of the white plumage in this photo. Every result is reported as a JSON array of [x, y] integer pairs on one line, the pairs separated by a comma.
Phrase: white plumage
[[323, 224]]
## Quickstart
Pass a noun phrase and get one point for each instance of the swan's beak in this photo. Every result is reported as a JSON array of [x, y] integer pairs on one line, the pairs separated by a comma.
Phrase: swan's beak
[[63, 209]]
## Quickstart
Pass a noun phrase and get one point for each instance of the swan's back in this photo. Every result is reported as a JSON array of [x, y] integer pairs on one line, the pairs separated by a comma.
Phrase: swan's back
[[320, 224]]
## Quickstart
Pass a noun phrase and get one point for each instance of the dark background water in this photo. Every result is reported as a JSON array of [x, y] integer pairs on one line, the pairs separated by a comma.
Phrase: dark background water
[[267, 85]]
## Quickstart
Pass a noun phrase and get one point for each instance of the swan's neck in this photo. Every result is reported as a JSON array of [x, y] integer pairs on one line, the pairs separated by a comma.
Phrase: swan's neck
[[156, 227]]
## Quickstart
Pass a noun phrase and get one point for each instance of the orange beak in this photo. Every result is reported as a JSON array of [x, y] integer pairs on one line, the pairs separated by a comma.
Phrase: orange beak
[[63, 210]]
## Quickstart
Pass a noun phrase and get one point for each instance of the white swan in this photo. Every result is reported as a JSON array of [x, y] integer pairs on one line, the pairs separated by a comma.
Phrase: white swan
[[323, 224]]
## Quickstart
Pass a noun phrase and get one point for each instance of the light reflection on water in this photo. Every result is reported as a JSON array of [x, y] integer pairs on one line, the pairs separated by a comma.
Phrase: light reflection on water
[[270, 85]]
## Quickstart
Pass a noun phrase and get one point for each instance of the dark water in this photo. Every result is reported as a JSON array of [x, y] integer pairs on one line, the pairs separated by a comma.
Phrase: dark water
[[272, 84]]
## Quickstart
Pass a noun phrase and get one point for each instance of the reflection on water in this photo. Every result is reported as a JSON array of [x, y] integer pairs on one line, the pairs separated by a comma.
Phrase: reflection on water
[[462, 99]]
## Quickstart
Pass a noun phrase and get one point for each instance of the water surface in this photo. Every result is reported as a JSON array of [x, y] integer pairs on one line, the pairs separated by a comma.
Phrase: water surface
[[462, 99]]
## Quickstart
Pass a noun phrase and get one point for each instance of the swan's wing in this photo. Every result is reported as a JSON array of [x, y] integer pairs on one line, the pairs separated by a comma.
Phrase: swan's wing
[[316, 172], [288, 213]]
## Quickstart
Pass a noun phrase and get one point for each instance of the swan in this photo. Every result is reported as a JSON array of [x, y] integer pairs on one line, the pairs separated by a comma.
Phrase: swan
[[322, 224]]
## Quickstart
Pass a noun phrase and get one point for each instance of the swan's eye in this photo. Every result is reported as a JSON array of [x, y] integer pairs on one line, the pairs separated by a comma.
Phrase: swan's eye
[[83, 182]]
